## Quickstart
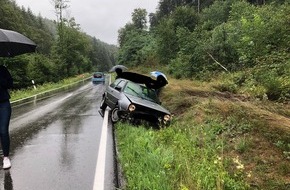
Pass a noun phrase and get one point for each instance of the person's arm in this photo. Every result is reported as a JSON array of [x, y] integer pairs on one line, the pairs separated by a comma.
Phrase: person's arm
[[6, 80]]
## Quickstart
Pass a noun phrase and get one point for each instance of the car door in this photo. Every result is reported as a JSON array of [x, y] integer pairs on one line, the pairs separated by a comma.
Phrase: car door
[[114, 92]]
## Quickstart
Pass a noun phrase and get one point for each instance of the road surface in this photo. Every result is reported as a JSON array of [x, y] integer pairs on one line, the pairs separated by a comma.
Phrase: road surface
[[55, 143]]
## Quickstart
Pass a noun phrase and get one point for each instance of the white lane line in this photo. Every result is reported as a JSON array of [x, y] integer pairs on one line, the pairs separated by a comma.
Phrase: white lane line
[[100, 167]]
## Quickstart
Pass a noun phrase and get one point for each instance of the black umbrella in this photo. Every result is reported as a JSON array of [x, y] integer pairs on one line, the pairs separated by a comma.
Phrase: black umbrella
[[122, 67], [13, 43]]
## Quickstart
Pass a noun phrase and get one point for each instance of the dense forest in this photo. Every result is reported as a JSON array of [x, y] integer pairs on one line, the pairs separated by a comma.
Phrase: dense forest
[[246, 41], [63, 50]]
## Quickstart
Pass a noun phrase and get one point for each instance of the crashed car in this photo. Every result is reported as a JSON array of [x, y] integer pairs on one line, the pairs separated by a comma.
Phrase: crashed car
[[133, 101]]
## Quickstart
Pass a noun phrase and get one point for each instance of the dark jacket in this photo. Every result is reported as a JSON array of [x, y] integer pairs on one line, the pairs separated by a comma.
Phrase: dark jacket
[[6, 82]]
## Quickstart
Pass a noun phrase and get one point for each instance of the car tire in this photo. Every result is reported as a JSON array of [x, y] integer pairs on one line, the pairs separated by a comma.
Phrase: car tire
[[114, 115]]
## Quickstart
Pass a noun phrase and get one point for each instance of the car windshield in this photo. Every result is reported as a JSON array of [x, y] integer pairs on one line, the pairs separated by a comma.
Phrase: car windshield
[[141, 92], [98, 75]]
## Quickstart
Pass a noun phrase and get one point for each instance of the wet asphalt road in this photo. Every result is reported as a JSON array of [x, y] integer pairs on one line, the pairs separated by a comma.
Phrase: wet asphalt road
[[55, 142]]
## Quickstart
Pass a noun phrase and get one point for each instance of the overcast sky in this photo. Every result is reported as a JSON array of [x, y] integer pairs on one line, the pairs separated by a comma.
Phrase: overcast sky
[[99, 18]]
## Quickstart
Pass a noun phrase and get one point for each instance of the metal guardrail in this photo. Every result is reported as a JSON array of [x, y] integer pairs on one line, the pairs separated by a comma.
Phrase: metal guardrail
[[49, 93]]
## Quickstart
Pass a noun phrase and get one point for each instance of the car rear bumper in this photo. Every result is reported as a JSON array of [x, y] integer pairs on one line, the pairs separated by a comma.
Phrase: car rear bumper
[[98, 81]]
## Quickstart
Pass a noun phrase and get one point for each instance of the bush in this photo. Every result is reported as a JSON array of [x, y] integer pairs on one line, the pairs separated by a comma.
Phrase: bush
[[273, 72]]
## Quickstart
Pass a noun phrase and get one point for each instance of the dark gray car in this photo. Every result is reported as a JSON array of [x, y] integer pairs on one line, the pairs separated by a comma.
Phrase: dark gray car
[[133, 101]]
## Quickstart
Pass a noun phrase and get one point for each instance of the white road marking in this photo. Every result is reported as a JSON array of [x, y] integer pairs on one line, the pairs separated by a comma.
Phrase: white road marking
[[100, 167]]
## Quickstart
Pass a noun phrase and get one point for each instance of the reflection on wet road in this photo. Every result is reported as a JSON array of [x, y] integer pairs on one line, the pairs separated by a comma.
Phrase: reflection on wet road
[[54, 142]]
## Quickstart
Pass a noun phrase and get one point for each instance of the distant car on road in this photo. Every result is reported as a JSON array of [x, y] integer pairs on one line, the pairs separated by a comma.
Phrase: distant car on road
[[134, 102], [98, 77]]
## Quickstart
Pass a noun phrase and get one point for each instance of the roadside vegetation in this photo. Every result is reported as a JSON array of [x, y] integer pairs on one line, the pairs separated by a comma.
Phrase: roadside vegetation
[[217, 140], [228, 66], [38, 89], [248, 39]]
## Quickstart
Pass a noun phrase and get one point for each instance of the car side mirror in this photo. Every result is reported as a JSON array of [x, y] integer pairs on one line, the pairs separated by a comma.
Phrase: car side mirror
[[118, 88]]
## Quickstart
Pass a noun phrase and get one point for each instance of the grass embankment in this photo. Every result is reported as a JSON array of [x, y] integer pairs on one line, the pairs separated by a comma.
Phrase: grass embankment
[[24, 93], [217, 140]]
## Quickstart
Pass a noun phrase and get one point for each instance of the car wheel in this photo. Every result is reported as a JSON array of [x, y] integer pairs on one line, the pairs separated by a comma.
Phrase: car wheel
[[114, 115]]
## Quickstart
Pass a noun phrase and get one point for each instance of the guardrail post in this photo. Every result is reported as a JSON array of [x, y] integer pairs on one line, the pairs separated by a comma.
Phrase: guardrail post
[[33, 84]]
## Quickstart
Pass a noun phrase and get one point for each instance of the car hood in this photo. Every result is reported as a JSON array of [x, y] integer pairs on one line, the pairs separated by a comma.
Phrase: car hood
[[147, 103]]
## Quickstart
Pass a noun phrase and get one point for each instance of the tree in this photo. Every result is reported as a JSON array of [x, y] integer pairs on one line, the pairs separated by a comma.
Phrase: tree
[[123, 33], [166, 40], [185, 17], [134, 40], [139, 18], [41, 69], [136, 49], [153, 20], [60, 6], [182, 17], [216, 14]]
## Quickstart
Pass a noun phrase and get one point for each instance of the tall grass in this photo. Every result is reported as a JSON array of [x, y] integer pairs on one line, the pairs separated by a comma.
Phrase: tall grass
[[145, 165], [179, 157], [212, 144]]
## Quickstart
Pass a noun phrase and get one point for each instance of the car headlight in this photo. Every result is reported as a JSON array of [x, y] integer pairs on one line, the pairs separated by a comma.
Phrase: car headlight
[[131, 107], [166, 117]]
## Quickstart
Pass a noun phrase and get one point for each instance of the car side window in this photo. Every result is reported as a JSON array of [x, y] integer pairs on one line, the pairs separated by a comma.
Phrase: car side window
[[113, 85], [120, 85]]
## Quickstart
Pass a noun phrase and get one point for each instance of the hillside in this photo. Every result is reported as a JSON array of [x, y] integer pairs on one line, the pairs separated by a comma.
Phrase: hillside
[[218, 140], [262, 145]]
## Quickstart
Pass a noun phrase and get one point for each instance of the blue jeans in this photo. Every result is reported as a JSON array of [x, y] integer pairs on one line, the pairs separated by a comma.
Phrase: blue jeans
[[5, 114]]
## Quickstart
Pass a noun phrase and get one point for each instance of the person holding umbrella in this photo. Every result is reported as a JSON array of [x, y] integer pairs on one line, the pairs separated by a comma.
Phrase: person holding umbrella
[[12, 44], [6, 82]]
